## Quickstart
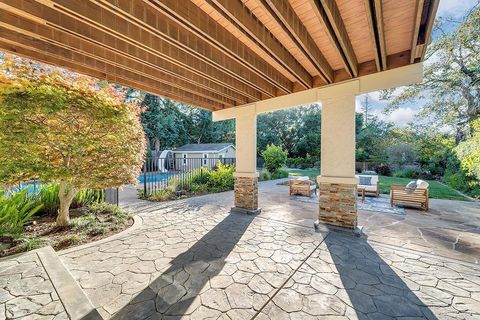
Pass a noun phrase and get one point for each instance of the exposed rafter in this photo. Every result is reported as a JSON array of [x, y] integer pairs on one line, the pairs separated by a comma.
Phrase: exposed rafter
[[248, 25], [191, 17], [425, 33], [31, 48], [164, 47], [373, 9], [416, 28], [285, 17], [65, 40], [328, 13]]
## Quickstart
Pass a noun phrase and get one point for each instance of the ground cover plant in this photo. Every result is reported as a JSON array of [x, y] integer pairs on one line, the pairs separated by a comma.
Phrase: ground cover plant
[[90, 223]]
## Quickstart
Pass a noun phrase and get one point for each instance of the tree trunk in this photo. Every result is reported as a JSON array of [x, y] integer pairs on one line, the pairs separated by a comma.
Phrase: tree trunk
[[66, 198]]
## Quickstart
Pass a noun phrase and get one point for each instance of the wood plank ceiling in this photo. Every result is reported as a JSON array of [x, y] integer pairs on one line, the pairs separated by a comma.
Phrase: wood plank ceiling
[[218, 54]]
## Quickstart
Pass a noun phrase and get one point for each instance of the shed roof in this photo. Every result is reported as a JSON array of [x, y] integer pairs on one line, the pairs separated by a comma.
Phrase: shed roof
[[203, 147]]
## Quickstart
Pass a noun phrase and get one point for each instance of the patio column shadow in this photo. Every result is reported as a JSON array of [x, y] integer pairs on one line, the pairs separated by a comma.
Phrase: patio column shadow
[[374, 289], [175, 290]]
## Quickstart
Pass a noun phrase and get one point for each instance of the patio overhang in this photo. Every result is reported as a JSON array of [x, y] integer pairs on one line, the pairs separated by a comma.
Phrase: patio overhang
[[220, 54]]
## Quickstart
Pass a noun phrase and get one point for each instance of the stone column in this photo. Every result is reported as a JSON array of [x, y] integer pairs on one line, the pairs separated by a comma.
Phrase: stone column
[[246, 175], [337, 183]]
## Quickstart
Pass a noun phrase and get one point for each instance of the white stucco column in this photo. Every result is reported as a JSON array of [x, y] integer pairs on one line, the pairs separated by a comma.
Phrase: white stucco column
[[338, 138], [246, 175], [337, 183]]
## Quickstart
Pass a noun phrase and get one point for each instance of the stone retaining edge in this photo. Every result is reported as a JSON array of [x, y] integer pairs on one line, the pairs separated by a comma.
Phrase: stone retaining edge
[[74, 300]]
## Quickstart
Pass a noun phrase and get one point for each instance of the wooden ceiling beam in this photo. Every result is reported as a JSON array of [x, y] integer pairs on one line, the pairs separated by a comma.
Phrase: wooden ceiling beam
[[282, 13], [65, 40], [191, 17], [416, 28], [142, 15], [162, 45], [235, 12], [373, 9], [80, 30], [425, 29], [94, 22], [329, 15], [84, 64]]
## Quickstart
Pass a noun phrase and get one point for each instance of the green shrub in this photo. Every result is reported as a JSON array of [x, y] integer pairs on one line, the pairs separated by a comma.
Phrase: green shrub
[[200, 176], [275, 157], [222, 178], [383, 170], [279, 174], [303, 163], [16, 209], [265, 175], [199, 188], [86, 197], [411, 172], [185, 181], [162, 195], [48, 197]]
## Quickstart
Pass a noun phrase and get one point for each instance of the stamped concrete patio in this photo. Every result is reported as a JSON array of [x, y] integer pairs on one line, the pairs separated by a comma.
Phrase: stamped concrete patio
[[192, 259]]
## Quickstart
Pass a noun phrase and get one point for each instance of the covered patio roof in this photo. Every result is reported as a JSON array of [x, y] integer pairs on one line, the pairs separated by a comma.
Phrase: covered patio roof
[[220, 54]]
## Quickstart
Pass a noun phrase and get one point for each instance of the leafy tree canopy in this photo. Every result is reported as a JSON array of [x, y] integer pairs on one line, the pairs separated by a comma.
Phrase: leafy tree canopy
[[73, 130], [450, 91]]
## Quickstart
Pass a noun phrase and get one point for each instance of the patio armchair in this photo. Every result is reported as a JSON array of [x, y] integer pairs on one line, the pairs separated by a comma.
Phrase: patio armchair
[[369, 183], [302, 186], [411, 196]]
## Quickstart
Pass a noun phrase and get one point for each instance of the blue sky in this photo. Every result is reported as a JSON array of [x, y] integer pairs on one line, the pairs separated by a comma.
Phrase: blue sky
[[407, 112]]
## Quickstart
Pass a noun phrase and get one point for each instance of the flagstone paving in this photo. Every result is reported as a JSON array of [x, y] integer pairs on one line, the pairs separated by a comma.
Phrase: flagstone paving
[[192, 259], [26, 290]]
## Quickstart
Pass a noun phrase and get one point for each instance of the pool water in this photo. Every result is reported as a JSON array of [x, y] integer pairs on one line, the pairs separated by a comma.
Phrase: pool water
[[154, 177]]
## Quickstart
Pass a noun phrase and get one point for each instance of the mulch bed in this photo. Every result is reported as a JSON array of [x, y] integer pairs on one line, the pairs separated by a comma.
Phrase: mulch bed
[[44, 229]]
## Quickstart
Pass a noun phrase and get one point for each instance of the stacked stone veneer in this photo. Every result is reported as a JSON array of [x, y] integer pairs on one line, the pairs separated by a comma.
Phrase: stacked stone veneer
[[246, 193], [338, 204]]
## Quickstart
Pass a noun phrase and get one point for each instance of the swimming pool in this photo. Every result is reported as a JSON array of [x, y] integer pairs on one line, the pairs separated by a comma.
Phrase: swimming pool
[[154, 177]]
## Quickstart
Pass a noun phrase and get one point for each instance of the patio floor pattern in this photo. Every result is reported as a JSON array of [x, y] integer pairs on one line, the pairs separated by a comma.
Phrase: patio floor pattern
[[192, 259], [26, 289]]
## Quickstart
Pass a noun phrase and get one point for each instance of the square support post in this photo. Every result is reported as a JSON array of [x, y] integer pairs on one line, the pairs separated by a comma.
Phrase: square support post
[[337, 183], [246, 175]]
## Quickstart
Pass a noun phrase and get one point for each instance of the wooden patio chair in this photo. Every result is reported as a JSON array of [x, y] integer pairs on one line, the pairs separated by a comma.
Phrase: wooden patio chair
[[400, 194], [302, 186]]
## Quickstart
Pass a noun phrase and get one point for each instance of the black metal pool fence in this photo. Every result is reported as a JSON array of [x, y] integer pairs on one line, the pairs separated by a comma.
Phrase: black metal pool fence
[[177, 173]]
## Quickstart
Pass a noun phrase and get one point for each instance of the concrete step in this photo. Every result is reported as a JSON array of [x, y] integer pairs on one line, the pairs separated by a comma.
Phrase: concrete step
[[37, 285]]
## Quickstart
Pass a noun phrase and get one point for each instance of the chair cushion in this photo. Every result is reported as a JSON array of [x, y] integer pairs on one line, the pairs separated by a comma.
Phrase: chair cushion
[[368, 188], [365, 180], [411, 186], [422, 184]]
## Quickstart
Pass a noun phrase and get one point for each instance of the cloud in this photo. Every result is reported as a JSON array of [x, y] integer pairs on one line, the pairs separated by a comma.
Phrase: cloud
[[455, 8], [400, 117]]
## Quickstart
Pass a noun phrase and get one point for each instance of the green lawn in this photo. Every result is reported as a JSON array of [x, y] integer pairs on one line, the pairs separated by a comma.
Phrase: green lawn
[[437, 190]]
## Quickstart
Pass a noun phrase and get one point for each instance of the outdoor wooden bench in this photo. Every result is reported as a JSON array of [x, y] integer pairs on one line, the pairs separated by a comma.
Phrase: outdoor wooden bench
[[302, 186], [399, 194]]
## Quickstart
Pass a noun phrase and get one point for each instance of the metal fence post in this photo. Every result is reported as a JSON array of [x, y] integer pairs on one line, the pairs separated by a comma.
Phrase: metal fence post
[[145, 178]]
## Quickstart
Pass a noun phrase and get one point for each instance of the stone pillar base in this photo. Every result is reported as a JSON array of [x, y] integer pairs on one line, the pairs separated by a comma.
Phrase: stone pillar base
[[338, 204], [246, 194]]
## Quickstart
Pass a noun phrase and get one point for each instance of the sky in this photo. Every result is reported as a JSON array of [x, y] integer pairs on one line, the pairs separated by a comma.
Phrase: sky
[[406, 113]]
